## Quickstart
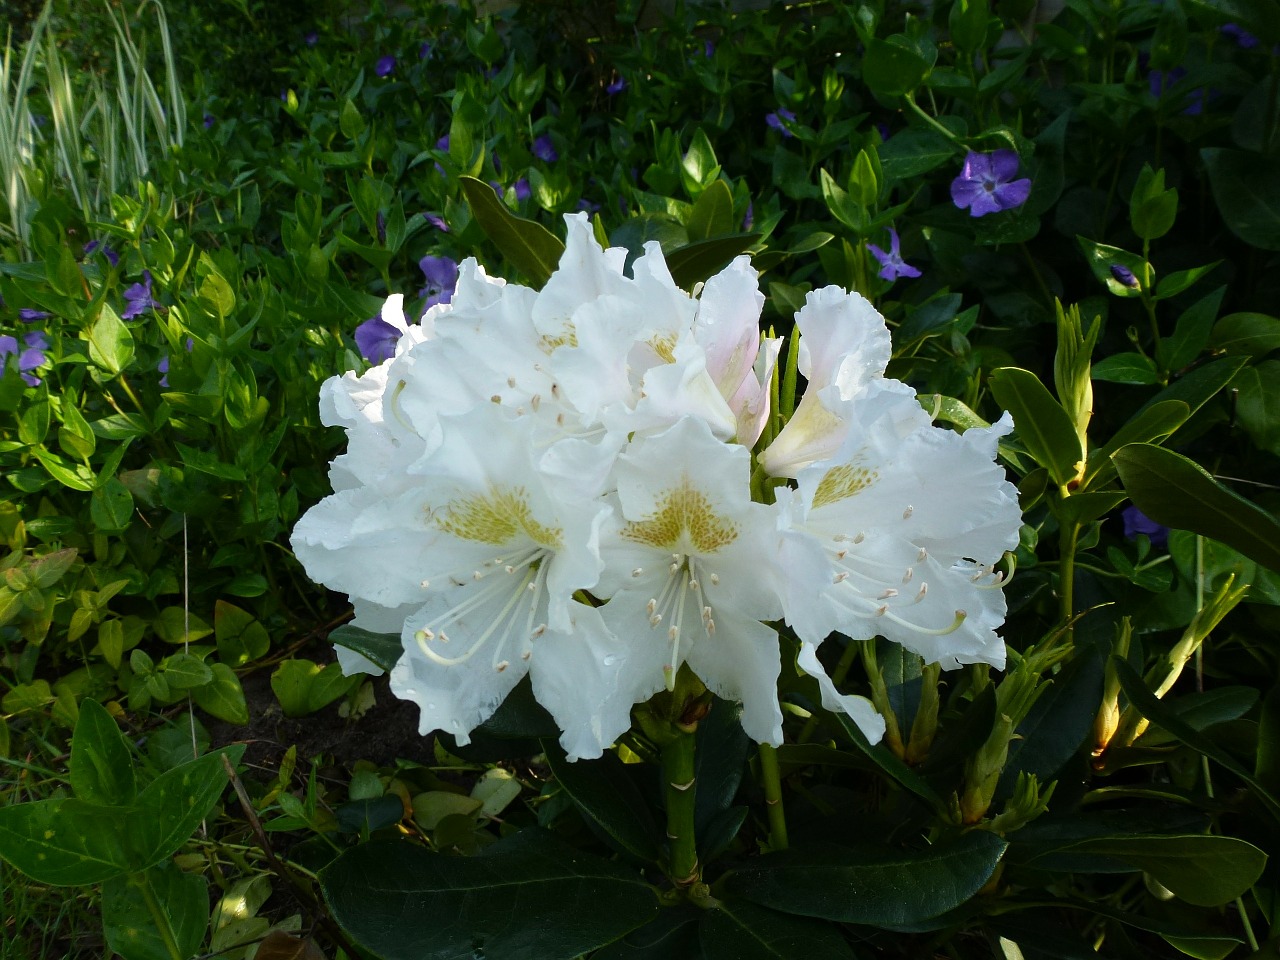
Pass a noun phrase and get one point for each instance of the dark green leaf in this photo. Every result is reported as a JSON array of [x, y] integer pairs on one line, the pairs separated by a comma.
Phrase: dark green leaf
[[1246, 187], [527, 897], [1102, 258], [1204, 870], [672, 935], [712, 214], [1258, 403], [130, 926], [738, 930], [223, 697], [1253, 334], [111, 507], [171, 807], [384, 649], [1177, 492], [531, 247], [520, 716], [604, 792], [1040, 422], [878, 887], [892, 69], [696, 262], [64, 842], [720, 757], [101, 765], [1161, 714], [1131, 368], [368, 815], [887, 761]]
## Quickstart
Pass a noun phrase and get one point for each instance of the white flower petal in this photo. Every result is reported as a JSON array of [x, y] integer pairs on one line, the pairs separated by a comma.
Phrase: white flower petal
[[859, 709]]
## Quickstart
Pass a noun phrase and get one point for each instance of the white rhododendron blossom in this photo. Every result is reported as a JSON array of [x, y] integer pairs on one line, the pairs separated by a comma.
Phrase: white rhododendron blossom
[[559, 483]]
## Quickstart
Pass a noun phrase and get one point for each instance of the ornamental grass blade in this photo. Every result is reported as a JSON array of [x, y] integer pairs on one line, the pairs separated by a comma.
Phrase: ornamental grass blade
[[528, 897], [881, 887], [532, 249], [1177, 492]]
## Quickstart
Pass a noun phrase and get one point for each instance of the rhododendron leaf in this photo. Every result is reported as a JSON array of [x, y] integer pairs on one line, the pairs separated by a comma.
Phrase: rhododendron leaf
[[530, 246]]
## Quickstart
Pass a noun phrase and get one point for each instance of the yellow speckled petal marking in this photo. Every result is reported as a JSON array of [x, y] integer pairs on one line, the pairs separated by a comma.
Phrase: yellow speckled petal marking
[[685, 510], [664, 347], [841, 482], [497, 517]]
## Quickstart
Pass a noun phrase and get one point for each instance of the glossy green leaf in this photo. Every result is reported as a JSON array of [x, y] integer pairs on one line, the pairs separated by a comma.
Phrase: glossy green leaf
[[712, 214], [384, 649], [603, 790], [223, 696], [1039, 421], [1258, 403], [183, 671], [111, 507], [719, 757], [1180, 280], [101, 764], [1132, 368], [520, 716], [1246, 186], [740, 930], [1177, 492], [527, 897], [303, 687], [130, 926], [673, 933], [110, 342], [531, 247], [1102, 258], [1197, 387], [240, 637], [1253, 334], [887, 761], [892, 69], [878, 887], [1201, 869], [1150, 425]]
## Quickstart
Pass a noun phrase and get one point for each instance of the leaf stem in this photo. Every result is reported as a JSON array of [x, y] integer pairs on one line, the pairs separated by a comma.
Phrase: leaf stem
[[679, 777], [1067, 571], [772, 781]]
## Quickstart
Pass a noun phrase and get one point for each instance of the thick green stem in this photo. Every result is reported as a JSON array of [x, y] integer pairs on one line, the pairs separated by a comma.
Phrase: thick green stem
[[678, 777], [1067, 571], [772, 781], [158, 916]]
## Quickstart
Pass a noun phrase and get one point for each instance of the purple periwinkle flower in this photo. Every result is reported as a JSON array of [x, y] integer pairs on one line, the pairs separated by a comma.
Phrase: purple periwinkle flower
[[31, 315], [424, 51], [311, 39], [380, 227], [436, 221], [544, 149], [93, 246], [163, 369], [441, 274], [892, 266], [376, 340], [708, 49], [1124, 276], [521, 187], [209, 121], [385, 65], [139, 298], [775, 120], [442, 144], [616, 86], [749, 218], [587, 206], [986, 184], [1136, 522], [497, 188], [29, 359], [1242, 37]]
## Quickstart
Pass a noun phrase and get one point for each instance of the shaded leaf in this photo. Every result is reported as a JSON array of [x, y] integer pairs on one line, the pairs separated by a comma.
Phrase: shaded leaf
[[1040, 422], [532, 249], [101, 765]]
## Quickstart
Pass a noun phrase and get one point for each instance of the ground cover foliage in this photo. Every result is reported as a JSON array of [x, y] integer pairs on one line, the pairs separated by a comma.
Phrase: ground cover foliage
[[188, 772]]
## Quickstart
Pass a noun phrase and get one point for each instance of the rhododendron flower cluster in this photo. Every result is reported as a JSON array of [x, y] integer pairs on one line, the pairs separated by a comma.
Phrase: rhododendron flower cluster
[[559, 484]]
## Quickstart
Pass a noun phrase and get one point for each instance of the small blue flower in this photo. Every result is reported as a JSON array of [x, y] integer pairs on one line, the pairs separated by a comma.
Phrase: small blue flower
[[1124, 276], [1136, 522], [139, 298], [616, 86], [521, 187], [775, 120], [587, 206], [424, 51], [163, 369], [441, 274], [986, 183], [93, 246], [209, 121], [436, 221], [30, 315], [385, 65], [376, 340], [29, 359], [892, 266], [544, 149], [380, 226], [1242, 37], [749, 218], [311, 39]]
